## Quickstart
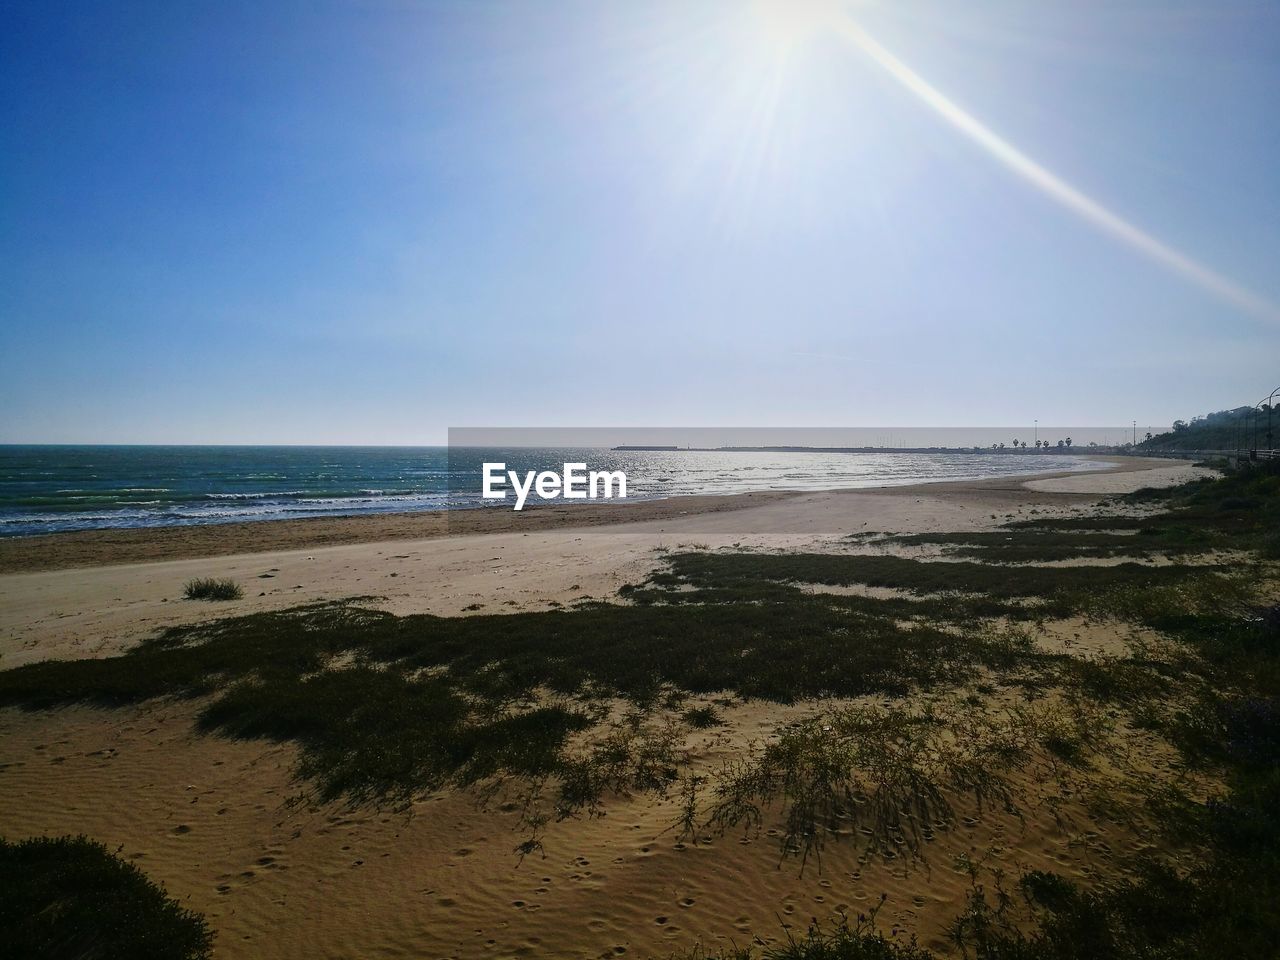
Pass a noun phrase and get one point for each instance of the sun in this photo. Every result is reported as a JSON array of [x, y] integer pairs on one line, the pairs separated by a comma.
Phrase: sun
[[789, 23]]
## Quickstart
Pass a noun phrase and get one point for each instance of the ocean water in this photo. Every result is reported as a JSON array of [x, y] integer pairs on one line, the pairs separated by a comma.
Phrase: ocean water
[[44, 489]]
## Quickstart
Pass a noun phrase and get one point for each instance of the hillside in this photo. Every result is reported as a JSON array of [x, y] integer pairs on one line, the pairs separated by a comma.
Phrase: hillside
[[1224, 430]]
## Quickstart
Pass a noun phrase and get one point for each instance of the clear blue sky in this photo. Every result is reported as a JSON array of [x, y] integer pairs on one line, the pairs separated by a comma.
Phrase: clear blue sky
[[368, 221]]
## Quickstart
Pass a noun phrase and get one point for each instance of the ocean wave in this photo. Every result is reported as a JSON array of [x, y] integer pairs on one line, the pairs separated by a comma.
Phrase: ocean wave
[[142, 492], [262, 495]]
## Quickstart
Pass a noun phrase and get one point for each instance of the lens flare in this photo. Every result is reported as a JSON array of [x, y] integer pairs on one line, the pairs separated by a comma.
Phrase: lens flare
[[1049, 183]]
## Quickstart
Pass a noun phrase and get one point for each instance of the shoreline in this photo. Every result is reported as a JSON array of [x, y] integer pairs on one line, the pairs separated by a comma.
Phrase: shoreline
[[129, 545], [72, 598]]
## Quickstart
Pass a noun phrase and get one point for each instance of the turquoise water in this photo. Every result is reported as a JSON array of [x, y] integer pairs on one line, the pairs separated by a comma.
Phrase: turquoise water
[[44, 489]]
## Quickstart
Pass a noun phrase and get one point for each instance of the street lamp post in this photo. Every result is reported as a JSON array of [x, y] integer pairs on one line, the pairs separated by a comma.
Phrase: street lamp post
[[1271, 406], [1269, 402]]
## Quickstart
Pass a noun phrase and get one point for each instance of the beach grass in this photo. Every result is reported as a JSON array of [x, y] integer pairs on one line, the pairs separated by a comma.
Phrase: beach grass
[[1050, 546], [384, 706], [209, 588], [743, 573], [702, 718]]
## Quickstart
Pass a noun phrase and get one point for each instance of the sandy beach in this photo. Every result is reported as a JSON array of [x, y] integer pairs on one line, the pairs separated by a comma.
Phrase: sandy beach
[[210, 817], [97, 593]]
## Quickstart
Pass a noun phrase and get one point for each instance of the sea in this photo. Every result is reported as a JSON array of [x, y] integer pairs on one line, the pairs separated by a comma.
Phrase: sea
[[47, 489]]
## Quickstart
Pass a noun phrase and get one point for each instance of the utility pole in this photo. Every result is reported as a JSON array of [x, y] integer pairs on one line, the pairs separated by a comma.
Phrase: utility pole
[[1135, 433], [1037, 434]]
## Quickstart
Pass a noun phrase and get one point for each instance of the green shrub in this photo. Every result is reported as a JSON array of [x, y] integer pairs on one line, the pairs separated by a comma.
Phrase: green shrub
[[70, 897]]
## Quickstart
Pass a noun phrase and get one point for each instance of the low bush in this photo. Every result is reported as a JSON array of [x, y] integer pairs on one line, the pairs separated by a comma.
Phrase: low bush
[[70, 897], [207, 588]]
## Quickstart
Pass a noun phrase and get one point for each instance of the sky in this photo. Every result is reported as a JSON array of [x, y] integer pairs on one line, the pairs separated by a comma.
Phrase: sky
[[367, 222]]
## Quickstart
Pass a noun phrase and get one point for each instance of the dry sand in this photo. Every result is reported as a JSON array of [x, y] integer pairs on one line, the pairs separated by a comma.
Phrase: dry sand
[[208, 816]]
